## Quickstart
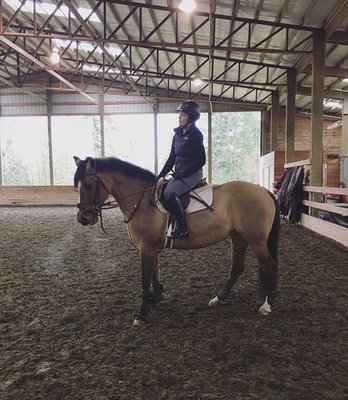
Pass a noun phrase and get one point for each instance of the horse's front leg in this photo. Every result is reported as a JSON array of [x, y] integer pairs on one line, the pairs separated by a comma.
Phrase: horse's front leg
[[148, 262], [157, 294]]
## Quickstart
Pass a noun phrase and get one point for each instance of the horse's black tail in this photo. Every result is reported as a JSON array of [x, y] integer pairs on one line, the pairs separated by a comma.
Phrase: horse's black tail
[[273, 238]]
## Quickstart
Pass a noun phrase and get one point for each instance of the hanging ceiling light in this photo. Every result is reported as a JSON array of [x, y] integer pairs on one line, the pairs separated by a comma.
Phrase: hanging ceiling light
[[55, 58], [187, 5]]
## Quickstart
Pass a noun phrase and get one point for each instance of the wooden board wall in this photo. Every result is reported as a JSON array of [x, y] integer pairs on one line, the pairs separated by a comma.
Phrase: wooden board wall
[[37, 196]]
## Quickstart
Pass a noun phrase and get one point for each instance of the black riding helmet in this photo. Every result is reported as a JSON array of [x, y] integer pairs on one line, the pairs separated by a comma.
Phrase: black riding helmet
[[191, 109]]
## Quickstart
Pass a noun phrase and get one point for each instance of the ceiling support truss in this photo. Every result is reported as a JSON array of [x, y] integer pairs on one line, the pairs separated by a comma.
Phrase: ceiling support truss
[[40, 29]]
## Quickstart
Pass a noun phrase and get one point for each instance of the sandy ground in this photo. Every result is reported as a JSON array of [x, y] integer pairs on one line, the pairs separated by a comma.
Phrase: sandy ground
[[69, 295]]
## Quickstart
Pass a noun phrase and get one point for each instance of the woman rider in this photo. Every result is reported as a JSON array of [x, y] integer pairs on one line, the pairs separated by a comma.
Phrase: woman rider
[[187, 156]]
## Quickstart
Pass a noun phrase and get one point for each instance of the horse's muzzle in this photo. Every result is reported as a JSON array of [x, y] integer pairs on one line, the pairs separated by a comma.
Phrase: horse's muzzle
[[86, 218]]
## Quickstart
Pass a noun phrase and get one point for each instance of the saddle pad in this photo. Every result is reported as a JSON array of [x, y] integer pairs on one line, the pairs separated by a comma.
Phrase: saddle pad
[[205, 193]]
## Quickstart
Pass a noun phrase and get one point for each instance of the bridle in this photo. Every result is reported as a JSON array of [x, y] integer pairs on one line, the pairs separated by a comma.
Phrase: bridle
[[97, 207]]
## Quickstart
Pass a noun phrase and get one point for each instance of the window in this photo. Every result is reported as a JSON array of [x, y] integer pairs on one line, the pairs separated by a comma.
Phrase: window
[[73, 136], [236, 146], [24, 151], [130, 138]]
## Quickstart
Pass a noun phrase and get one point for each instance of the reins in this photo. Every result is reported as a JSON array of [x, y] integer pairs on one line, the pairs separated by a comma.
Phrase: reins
[[136, 205]]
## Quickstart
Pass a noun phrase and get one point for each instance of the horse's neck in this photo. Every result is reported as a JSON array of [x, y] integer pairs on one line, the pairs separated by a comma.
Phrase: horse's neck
[[127, 191]]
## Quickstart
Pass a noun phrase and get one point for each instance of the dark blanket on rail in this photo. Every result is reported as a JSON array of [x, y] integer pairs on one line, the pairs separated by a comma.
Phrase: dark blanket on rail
[[290, 194]]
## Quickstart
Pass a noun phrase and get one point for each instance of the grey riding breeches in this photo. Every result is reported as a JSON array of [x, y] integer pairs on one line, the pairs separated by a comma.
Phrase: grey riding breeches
[[180, 186]]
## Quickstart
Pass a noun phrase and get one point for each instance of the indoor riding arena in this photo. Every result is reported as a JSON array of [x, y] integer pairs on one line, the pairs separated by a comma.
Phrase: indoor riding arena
[[101, 299]]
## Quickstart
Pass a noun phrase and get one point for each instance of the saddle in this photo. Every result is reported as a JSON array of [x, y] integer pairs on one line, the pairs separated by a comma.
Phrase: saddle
[[185, 197], [201, 200]]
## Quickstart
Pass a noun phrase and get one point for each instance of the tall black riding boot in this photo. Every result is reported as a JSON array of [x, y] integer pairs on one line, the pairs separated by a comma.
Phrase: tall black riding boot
[[177, 208]]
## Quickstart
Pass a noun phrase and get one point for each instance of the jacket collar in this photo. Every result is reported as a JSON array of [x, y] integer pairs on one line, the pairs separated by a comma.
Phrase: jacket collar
[[179, 130]]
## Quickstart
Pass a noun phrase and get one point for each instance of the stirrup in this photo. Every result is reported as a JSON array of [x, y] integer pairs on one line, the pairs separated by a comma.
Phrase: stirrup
[[180, 234]]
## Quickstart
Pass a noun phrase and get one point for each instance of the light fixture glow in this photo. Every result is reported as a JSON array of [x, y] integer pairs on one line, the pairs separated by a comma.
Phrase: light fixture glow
[[197, 81], [335, 125], [55, 58], [332, 103], [47, 8], [115, 51], [187, 5]]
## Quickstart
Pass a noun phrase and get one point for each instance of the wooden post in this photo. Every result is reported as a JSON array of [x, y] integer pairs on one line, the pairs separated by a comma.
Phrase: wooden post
[[344, 135], [102, 125], [290, 116], [49, 132], [318, 74], [274, 120], [155, 137], [265, 132], [1, 177], [210, 152]]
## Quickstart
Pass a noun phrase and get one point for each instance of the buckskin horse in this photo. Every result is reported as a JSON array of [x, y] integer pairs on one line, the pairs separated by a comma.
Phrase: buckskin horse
[[246, 212]]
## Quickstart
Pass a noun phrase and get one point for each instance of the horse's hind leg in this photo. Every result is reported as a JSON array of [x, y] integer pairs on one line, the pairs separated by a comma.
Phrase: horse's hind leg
[[239, 246], [268, 276]]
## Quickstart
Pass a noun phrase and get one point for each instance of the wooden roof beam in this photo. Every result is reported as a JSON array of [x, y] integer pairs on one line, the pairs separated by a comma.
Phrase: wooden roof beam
[[338, 37], [45, 67], [336, 18], [307, 91], [337, 72], [331, 25], [107, 54]]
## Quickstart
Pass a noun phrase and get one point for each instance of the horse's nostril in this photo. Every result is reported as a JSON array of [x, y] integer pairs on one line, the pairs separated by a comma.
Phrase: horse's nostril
[[83, 221]]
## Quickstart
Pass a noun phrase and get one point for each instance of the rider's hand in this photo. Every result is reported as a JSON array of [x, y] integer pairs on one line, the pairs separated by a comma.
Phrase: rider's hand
[[158, 177]]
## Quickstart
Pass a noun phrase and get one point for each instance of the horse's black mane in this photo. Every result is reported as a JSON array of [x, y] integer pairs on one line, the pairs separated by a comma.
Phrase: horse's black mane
[[117, 165]]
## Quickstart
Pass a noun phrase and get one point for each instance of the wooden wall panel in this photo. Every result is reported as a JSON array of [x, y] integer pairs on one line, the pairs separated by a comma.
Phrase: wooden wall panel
[[37, 195]]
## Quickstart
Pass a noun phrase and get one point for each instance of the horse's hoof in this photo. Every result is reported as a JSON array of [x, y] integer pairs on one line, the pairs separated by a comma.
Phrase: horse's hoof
[[265, 309], [137, 322], [213, 302]]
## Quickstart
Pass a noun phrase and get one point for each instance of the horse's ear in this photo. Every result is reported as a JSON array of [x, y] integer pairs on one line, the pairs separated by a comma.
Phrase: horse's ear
[[90, 167], [77, 161]]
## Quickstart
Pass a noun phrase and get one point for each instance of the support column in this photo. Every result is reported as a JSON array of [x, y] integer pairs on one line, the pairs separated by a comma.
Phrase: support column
[[102, 125], [210, 152], [318, 74], [155, 137], [274, 120], [1, 177], [290, 116], [265, 126], [344, 135], [49, 132]]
